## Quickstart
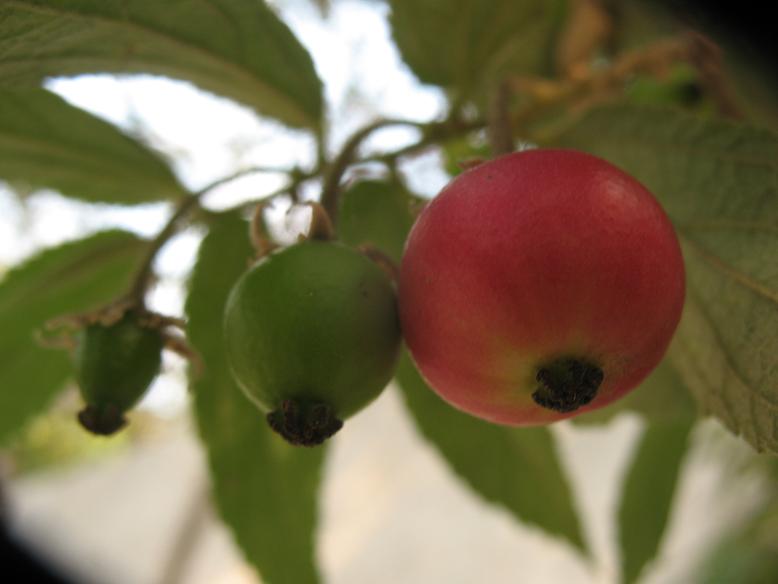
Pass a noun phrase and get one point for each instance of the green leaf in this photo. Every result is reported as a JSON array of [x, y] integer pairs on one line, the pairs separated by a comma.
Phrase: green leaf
[[265, 489], [459, 153], [46, 142], [72, 278], [680, 87], [648, 493], [517, 468], [237, 48], [375, 213], [661, 397], [464, 45], [739, 560], [719, 183]]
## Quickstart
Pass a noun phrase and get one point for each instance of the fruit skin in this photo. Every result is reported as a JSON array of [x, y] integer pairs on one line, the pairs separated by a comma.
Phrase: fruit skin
[[115, 365], [538, 258], [312, 331]]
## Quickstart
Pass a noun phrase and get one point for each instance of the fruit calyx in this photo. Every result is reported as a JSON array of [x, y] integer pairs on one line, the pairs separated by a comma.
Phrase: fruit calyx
[[567, 383], [104, 421], [304, 423]]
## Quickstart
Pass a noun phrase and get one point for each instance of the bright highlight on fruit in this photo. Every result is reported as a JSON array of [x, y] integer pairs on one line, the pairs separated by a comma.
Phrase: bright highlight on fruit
[[540, 285], [312, 336]]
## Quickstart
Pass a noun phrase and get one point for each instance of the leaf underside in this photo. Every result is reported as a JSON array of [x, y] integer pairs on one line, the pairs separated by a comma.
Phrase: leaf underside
[[468, 44], [265, 489], [718, 181], [46, 142], [236, 48]]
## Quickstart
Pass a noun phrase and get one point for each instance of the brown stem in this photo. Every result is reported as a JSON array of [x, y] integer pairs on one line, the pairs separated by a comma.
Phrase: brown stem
[[320, 228], [705, 56], [593, 84], [500, 129], [145, 273], [331, 188], [260, 240]]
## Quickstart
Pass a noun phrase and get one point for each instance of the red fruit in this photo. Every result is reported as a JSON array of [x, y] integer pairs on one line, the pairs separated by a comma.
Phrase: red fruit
[[540, 285]]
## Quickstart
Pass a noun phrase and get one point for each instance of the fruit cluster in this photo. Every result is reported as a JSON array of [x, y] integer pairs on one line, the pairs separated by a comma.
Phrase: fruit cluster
[[536, 286]]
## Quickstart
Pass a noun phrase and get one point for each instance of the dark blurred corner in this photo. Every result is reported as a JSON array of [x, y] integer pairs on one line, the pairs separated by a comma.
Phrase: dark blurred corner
[[748, 27], [21, 565]]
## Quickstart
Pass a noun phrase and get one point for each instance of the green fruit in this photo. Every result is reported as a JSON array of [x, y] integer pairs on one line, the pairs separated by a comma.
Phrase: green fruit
[[115, 365], [312, 336]]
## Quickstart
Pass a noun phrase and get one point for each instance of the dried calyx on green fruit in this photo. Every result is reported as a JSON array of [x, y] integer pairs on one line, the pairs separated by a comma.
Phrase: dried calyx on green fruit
[[116, 359], [312, 336]]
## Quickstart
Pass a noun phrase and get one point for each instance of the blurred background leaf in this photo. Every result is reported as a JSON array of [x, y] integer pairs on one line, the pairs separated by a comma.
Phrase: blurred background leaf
[[748, 553], [468, 45], [718, 181], [265, 489], [236, 48], [516, 468], [661, 397], [71, 278], [648, 493], [375, 213], [46, 142]]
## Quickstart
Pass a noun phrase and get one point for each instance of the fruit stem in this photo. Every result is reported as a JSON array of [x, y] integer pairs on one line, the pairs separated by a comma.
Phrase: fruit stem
[[304, 424], [499, 129], [321, 228], [331, 189], [567, 383], [145, 274], [260, 240]]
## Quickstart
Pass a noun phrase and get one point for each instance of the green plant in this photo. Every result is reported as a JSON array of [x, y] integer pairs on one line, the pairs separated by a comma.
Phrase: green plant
[[569, 285], [312, 336], [686, 115]]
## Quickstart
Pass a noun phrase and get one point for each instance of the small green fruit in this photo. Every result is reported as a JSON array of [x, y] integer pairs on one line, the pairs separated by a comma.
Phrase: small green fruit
[[312, 336], [115, 365]]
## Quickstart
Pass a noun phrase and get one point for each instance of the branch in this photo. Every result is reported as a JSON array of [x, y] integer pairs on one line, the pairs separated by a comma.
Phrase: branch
[[144, 275], [331, 188], [500, 128], [691, 47]]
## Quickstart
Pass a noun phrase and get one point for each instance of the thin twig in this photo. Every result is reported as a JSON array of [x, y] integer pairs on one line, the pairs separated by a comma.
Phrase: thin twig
[[500, 129], [320, 228], [260, 240], [144, 275], [331, 187], [435, 134], [658, 57]]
